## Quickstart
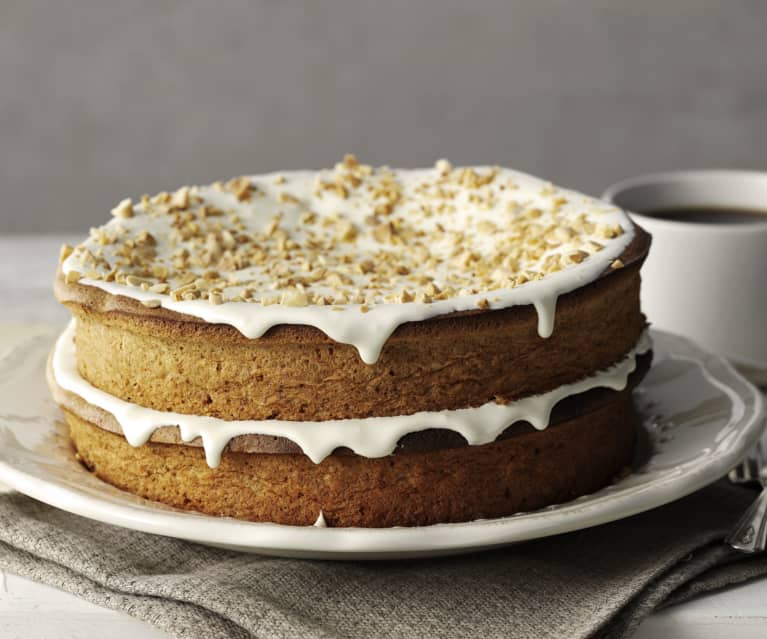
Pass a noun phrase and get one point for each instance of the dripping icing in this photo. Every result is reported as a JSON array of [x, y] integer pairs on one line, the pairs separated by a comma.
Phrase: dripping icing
[[320, 522], [369, 437]]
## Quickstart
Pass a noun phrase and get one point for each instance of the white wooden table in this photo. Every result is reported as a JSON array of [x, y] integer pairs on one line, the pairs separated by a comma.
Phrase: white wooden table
[[31, 611]]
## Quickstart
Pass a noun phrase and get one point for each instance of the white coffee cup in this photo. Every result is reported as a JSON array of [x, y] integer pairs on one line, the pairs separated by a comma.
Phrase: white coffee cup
[[701, 280]]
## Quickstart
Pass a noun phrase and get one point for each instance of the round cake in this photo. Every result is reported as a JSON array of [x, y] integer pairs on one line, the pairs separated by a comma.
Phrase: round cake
[[356, 346]]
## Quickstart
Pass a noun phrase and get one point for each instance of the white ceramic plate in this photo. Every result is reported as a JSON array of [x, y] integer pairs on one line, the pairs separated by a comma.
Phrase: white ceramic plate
[[701, 417]]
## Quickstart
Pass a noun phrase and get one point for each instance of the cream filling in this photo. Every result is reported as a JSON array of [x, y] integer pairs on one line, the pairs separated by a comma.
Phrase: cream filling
[[369, 436]]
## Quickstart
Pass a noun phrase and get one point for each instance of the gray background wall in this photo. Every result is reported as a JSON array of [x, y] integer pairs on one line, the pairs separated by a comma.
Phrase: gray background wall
[[103, 100]]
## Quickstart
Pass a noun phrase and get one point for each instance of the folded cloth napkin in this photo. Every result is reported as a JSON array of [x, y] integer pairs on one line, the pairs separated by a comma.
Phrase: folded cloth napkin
[[599, 582]]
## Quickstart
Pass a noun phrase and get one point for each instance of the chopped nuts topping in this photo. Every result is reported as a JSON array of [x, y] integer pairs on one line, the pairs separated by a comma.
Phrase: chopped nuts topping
[[355, 235]]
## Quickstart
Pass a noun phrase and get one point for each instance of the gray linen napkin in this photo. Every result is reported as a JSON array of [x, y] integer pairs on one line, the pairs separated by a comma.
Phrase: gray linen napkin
[[599, 582]]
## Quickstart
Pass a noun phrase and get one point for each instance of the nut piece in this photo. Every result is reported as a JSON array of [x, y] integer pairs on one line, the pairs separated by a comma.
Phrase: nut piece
[[346, 231], [72, 277], [124, 209], [294, 297], [577, 257], [64, 252], [180, 198], [242, 188], [162, 287], [288, 198]]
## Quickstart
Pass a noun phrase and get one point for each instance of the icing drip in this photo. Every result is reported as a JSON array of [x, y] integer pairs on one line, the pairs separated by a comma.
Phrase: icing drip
[[320, 523], [510, 196], [369, 437], [546, 307]]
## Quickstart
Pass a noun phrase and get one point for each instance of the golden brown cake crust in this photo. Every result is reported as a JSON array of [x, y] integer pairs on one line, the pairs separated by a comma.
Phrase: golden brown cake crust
[[166, 361], [524, 472]]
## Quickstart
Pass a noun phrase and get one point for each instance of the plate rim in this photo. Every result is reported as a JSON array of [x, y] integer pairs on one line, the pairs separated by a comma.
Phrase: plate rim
[[438, 539]]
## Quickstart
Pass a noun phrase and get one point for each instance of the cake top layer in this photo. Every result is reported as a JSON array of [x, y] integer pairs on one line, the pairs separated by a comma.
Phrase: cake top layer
[[354, 250]]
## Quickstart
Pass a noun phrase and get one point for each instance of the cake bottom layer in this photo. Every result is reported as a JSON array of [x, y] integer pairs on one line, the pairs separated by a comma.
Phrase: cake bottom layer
[[525, 472]]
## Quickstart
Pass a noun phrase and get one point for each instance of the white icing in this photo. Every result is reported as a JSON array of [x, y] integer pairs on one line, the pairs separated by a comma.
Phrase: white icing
[[369, 437], [320, 523], [369, 331]]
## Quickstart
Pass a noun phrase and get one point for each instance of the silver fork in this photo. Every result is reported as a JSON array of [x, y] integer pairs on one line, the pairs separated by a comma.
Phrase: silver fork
[[750, 533]]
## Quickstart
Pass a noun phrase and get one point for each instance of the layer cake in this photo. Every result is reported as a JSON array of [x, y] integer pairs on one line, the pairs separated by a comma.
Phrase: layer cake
[[385, 347]]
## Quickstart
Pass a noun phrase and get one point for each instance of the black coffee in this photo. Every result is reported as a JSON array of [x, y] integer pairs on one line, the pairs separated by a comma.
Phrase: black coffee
[[709, 215]]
